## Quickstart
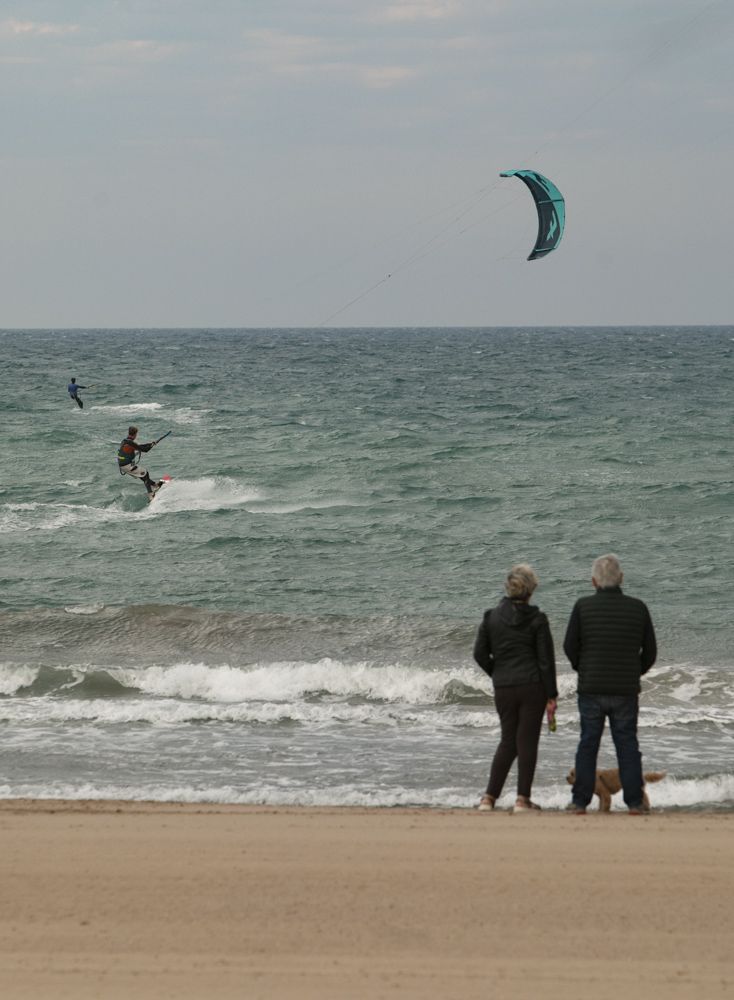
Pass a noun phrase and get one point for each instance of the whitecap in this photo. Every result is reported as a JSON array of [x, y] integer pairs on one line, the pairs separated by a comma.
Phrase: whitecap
[[291, 681], [207, 493], [14, 677], [296, 507], [717, 790], [129, 408], [185, 415]]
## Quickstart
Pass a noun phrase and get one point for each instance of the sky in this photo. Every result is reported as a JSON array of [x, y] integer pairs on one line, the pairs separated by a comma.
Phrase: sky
[[284, 163]]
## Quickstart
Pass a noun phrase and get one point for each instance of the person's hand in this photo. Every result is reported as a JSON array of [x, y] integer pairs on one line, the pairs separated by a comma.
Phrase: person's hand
[[551, 705]]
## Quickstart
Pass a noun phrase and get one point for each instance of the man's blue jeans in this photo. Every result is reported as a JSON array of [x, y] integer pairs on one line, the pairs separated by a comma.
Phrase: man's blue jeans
[[621, 710]]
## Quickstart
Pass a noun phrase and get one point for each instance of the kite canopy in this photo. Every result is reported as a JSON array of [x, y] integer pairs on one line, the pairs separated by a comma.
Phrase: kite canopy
[[551, 210]]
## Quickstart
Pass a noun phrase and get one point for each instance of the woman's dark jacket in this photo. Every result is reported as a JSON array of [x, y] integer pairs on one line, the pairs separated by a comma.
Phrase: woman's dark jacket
[[514, 646]]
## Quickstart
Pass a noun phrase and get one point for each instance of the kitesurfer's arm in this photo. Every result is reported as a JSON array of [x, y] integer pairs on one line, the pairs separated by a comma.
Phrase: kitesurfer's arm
[[145, 447]]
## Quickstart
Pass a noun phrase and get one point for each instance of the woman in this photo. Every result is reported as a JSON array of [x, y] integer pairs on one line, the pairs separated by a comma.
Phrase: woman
[[515, 647]]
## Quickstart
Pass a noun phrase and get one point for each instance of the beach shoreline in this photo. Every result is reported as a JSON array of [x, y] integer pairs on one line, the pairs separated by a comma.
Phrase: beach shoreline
[[147, 899]]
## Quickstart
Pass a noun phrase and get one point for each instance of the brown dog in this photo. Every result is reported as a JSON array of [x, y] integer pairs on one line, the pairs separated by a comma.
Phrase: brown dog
[[608, 784]]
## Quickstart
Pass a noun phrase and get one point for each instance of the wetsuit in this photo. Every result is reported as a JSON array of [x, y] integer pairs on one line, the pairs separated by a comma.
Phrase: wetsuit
[[73, 388], [127, 460]]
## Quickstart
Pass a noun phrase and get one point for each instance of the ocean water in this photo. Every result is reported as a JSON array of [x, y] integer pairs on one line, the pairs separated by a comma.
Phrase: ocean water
[[291, 620]]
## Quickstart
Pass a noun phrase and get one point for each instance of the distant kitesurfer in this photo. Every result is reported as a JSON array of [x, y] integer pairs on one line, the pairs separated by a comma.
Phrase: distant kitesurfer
[[73, 389], [127, 456]]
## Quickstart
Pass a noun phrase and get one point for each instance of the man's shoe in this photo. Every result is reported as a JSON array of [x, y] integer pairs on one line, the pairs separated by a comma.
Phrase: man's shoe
[[486, 803], [524, 804], [577, 810], [642, 810]]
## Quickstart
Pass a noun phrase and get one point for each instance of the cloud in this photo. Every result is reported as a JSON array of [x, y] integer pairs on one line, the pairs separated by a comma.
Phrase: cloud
[[134, 51], [418, 10], [12, 28], [289, 54], [384, 77]]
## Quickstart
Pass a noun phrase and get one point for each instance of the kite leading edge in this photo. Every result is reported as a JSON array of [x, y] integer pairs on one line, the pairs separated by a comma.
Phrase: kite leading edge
[[551, 210]]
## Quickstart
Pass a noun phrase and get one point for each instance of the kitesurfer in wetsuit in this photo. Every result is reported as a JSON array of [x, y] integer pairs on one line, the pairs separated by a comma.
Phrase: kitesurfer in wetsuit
[[127, 460], [73, 390]]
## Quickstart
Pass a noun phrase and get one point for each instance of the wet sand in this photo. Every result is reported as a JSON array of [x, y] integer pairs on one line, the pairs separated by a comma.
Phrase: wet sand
[[137, 900]]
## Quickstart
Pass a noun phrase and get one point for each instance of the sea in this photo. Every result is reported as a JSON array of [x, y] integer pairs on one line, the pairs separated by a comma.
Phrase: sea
[[291, 621]]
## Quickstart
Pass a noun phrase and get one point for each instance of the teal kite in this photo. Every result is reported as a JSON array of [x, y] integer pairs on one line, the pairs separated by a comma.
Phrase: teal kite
[[551, 210]]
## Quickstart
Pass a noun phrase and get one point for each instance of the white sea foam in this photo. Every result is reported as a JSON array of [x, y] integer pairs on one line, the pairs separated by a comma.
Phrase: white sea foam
[[15, 676], [52, 516], [702, 793], [11, 519], [287, 681], [687, 692], [294, 508], [185, 415], [207, 493], [129, 408], [161, 712], [178, 415], [283, 794], [670, 793], [84, 609]]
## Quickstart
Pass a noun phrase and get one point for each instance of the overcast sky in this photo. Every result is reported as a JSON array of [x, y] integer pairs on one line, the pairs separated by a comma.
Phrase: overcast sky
[[304, 162]]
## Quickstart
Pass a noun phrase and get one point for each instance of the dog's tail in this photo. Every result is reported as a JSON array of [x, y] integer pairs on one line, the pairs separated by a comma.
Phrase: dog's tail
[[654, 776]]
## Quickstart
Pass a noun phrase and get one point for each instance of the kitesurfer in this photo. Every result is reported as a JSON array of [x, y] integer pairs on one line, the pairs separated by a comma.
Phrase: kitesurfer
[[73, 390], [127, 456]]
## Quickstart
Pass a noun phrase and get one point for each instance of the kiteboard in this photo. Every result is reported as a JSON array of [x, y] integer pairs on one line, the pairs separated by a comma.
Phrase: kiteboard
[[164, 482]]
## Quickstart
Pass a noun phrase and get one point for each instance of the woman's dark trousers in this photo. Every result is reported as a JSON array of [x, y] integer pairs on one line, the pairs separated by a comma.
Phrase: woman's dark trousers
[[520, 708]]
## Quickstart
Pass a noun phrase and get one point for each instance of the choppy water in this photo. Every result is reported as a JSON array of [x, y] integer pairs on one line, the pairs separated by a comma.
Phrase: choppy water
[[292, 619]]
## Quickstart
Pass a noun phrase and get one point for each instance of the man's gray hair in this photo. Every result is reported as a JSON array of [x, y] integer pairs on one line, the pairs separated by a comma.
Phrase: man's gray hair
[[521, 581], [607, 571]]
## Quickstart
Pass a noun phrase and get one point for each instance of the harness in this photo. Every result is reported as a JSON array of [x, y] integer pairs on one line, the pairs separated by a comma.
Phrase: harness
[[127, 453]]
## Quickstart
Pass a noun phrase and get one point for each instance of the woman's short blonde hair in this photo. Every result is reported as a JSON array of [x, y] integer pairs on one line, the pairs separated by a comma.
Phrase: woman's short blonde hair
[[521, 581]]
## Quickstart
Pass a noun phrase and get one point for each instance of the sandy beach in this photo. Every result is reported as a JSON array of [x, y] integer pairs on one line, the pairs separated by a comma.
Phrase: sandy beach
[[151, 900]]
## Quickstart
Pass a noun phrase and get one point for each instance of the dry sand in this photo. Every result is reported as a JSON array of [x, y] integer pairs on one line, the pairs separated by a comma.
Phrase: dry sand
[[113, 900]]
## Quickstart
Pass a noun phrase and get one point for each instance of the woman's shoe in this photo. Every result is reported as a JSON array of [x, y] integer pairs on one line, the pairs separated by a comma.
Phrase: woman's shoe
[[486, 803]]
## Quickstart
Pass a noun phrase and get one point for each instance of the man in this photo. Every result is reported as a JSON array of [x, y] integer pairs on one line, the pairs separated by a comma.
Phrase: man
[[73, 390], [610, 643], [127, 456]]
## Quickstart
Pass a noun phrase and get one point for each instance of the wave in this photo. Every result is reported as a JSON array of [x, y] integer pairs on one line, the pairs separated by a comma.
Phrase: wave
[[320, 691], [178, 415], [207, 493], [204, 494], [118, 410], [169, 713], [181, 633], [296, 507], [186, 651], [710, 792], [21, 517], [187, 415], [277, 683]]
